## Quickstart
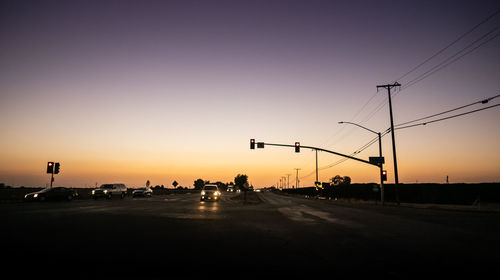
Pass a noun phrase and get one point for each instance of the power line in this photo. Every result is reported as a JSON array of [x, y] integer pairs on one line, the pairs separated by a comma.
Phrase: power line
[[444, 63], [450, 44], [453, 58], [448, 61], [483, 101], [400, 126], [450, 117]]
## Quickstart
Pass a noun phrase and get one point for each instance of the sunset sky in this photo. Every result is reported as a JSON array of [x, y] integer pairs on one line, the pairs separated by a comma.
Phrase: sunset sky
[[129, 91]]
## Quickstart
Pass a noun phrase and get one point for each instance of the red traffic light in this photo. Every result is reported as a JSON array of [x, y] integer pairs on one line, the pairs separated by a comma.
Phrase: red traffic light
[[252, 144], [50, 167], [297, 147], [384, 175]]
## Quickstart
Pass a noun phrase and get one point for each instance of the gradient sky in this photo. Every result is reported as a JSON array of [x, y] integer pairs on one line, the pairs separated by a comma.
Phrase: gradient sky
[[129, 91]]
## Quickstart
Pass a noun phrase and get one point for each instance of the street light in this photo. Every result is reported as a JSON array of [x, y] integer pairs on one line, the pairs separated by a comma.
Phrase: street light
[[380, 154]]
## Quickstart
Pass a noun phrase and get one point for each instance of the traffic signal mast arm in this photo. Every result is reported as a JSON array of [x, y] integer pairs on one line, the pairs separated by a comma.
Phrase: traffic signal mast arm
[[323, 150]]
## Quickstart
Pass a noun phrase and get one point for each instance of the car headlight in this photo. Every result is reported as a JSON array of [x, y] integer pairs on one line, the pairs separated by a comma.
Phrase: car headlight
[[93, 191], [105, 191], [202, 192], [216, 193], [35, 195]]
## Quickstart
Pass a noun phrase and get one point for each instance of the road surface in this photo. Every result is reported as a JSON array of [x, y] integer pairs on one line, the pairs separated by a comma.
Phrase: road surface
[[286, 234]]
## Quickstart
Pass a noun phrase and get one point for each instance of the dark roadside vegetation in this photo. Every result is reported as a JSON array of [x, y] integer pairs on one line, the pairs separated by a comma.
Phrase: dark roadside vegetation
[[458, 194]]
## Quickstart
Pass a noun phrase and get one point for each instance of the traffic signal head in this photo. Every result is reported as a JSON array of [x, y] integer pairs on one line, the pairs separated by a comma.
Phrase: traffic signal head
[[252, 144], [384, 175], [50, 167], [297, 147], [56, 168]]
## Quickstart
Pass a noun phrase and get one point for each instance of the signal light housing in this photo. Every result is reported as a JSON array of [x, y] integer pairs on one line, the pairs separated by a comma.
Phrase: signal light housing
[[297, 147], [384, 175], [50, 167], [56, 168], [252, 144]]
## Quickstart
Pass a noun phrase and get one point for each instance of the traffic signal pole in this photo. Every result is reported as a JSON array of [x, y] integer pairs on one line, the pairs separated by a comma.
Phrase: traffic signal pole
[[51, 178], [317, 165], [322, 150], [52, 168], [381, 169], [377, 161]]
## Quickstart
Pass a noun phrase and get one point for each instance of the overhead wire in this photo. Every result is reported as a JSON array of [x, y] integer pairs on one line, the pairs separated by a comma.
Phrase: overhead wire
[[450, 44], [452, 59], [443, 64], [447, 118]]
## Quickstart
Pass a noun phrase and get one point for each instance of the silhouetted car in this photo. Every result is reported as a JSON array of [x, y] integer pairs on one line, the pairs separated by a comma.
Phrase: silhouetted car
[[110, 190], [210, 192], [57, 193], [145, 192]]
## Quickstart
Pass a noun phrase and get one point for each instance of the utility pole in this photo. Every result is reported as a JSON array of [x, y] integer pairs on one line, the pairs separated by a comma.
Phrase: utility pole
[[396, 179], [297, 178], [288, 181]]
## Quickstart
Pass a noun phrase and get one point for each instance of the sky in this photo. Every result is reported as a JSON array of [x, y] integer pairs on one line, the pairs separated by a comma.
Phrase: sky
[[130, 91]]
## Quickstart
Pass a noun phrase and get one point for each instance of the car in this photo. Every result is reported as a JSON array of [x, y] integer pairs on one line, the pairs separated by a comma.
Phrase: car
[[56, 193], [110, 190], [144, 191], [210, 192]]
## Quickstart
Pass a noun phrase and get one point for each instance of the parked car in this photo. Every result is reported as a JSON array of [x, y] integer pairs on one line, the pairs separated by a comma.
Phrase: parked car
[[110, 190], [210, 192], [145, 192], [56, 193]]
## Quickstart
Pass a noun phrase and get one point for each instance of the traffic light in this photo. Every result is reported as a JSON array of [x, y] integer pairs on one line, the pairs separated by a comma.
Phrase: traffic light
[[50, 167], [384, 175], [56, 168], [297, 147], [252, 144]]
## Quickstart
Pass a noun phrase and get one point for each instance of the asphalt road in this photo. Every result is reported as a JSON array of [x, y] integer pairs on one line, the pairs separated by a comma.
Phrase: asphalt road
[[177, 232]]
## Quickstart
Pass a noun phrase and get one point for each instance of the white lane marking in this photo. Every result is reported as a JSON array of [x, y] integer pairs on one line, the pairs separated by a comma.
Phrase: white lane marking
[[297, 213], [304, 213]]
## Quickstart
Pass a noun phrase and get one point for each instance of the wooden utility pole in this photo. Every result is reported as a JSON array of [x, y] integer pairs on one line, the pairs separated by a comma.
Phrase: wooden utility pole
[[297, 178], [396, 178]]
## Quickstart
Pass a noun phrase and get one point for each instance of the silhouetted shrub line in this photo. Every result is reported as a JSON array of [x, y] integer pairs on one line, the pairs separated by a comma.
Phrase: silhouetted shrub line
[[460, 194]]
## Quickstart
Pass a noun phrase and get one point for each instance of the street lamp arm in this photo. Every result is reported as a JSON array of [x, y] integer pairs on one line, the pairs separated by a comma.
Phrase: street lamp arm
[[359, 126]]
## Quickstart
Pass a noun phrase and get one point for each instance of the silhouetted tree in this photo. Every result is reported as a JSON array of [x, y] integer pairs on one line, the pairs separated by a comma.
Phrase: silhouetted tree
[[147, 183], [337, 180], [221, 186], [346, 180], [174, 183], [198, 184], [241, 181]]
